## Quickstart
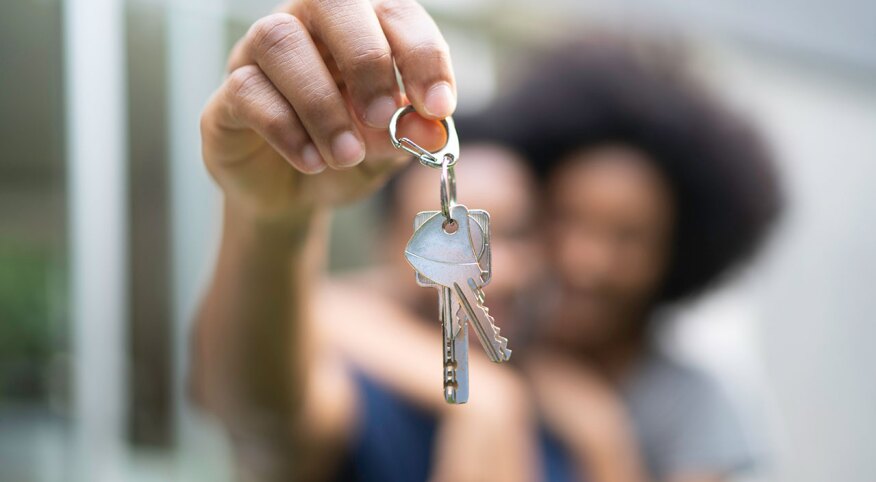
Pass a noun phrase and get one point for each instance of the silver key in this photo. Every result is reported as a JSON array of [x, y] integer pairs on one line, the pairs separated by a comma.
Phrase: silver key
[[454, 328], [457, 262], [449, 259]]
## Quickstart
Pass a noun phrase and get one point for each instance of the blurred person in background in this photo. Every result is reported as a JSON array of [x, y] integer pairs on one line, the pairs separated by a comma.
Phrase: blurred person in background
[[651, 192]]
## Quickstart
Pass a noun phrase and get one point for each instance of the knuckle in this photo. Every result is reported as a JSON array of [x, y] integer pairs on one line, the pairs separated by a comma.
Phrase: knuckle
[[369, 58], [319, 102], [243, 82], [324, 5], [269, 32], [277, 126], [432, 49], [323, 113], [431, 57], [397, 9]]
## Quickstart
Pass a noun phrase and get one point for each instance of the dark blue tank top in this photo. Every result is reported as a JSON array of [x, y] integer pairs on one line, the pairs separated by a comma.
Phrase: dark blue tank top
[[394, 442]]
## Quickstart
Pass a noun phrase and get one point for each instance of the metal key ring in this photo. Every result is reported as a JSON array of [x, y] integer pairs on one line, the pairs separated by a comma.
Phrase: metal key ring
[[429, 159], [448, 187]]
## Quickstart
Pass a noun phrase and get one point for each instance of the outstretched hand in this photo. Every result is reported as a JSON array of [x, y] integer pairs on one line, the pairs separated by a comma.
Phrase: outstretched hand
[[301, 120]]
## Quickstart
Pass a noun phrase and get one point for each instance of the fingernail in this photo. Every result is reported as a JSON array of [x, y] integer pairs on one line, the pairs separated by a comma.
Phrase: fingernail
[[440, 101], [380, 111], [311, 160], [347, 150]]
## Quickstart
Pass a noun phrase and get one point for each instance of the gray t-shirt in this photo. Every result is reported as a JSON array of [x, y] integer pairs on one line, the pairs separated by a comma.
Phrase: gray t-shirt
[[684, 421]]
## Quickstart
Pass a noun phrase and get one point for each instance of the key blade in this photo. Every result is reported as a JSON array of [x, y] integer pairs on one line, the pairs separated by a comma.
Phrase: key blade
[[456, 370], [495, 345], [455, 346]]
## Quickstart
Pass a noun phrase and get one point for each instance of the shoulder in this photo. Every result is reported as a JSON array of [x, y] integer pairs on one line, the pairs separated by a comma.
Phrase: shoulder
[[664, 381], [688, 384], [663, 395], [686, 419]]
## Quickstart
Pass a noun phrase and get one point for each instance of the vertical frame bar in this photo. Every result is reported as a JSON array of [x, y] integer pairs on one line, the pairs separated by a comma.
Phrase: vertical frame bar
[[97, 146]]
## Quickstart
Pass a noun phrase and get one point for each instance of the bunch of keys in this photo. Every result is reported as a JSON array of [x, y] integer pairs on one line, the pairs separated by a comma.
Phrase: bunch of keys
[[450, 251]]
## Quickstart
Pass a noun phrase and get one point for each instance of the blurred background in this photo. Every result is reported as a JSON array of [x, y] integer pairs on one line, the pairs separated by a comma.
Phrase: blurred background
[[109, 223]]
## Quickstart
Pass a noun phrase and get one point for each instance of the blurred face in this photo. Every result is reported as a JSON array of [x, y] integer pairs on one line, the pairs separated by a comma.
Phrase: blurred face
[[490, 178], [609, 231]]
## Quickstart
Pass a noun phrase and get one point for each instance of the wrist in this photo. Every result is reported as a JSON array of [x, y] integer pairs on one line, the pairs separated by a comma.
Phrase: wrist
[[288, 224], [608, 448], [272, 232], [502, 395]]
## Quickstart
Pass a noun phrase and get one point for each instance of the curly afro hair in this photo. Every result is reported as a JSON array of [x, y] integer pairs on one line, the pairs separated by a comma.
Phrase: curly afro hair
[[590, 94]]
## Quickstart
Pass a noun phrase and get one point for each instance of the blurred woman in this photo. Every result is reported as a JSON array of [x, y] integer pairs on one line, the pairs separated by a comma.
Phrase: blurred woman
[[653, 191]]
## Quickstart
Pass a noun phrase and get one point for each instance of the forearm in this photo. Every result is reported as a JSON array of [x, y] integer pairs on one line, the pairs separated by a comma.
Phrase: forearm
[[588, 416], [607, 451], [249, 352], [409, 367]]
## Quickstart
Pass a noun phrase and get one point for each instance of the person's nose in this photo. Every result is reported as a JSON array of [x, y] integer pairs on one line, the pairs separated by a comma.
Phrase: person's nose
[[586, 258]]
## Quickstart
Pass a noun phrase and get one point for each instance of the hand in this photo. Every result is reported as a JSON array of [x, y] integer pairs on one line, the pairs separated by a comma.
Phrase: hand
[[301, 119], [493, 437], [584, 411], [572, 398]]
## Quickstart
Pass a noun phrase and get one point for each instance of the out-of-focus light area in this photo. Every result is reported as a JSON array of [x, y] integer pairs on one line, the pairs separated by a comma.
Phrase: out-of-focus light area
[[109, 223]]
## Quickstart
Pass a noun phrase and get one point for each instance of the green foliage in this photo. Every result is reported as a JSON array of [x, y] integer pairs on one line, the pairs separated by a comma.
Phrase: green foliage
[[29, 330]]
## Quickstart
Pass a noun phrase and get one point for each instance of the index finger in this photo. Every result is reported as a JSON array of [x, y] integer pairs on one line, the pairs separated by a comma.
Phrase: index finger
[[351, 32], [422, 56]]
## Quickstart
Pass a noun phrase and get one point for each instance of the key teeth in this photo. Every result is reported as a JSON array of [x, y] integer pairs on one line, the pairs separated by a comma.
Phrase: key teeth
[[501, 340], [492, 320], [497, 334]]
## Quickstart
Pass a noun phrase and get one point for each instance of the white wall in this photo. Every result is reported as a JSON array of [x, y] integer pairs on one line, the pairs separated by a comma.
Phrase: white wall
[[801, 325]]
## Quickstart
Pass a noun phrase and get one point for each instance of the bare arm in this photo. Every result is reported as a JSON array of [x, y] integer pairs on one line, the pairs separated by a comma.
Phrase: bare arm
[[492, 437], [397, 347], [298, 126], [588, 415], [250, 348]]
